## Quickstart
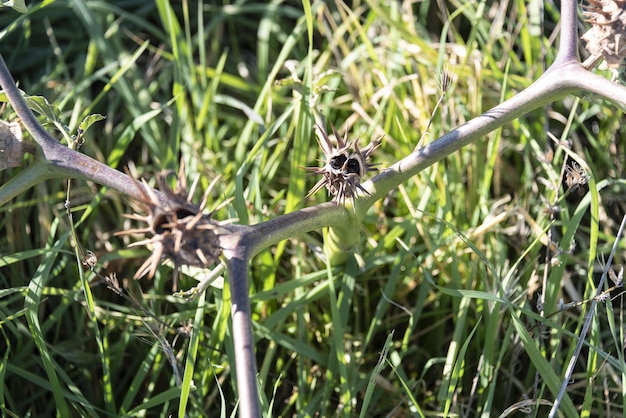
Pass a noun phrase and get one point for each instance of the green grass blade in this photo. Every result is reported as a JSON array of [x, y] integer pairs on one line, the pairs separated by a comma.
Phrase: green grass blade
[[32, 303]]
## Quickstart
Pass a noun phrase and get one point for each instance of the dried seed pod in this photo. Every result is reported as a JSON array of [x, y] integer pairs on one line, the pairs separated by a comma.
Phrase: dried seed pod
[[607, 36], [177, 229], [12, 148], [575, 176], [344, 166]]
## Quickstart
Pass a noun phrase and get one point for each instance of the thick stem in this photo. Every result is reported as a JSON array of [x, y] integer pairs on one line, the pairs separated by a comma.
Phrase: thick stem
[[53, 159], [265, 234], [545, 90], [557, 82], [243, 340], [27, 178], [566, 75], [568, 39], [241, 245], [21, 108]]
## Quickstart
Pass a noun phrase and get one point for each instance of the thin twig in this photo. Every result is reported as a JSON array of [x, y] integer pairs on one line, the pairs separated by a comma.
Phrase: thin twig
[[583, 333]]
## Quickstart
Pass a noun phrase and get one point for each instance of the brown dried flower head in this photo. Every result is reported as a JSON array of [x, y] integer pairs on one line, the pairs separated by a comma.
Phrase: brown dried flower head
[[607, 36], [344, 166], [177, 229]]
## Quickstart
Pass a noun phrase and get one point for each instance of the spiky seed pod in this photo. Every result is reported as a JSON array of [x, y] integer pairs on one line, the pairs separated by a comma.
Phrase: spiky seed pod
[[177, 229], [344, 166], [607, 36], [12, 148]]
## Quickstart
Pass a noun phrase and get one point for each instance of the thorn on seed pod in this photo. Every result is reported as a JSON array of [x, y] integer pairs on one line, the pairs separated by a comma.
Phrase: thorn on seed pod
[[345, 165], [12, 148], [177, 229]]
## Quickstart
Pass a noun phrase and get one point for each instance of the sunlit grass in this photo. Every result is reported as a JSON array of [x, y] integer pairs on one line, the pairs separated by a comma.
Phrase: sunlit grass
[[438, 313]]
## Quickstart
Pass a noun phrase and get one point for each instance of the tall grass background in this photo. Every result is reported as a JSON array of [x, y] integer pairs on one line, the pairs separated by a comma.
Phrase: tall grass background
[[437, 315]]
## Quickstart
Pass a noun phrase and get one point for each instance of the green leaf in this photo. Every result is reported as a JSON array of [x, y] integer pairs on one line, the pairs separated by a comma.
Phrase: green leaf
[[38, 104], [17, 5], [375, 373], [90, 120], [41, 105]]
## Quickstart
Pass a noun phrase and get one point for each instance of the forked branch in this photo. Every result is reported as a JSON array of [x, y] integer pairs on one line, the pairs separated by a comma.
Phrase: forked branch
[[240, 243]]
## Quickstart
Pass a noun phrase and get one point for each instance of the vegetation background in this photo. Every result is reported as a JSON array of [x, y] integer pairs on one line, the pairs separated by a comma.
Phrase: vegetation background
[[437, 314]]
